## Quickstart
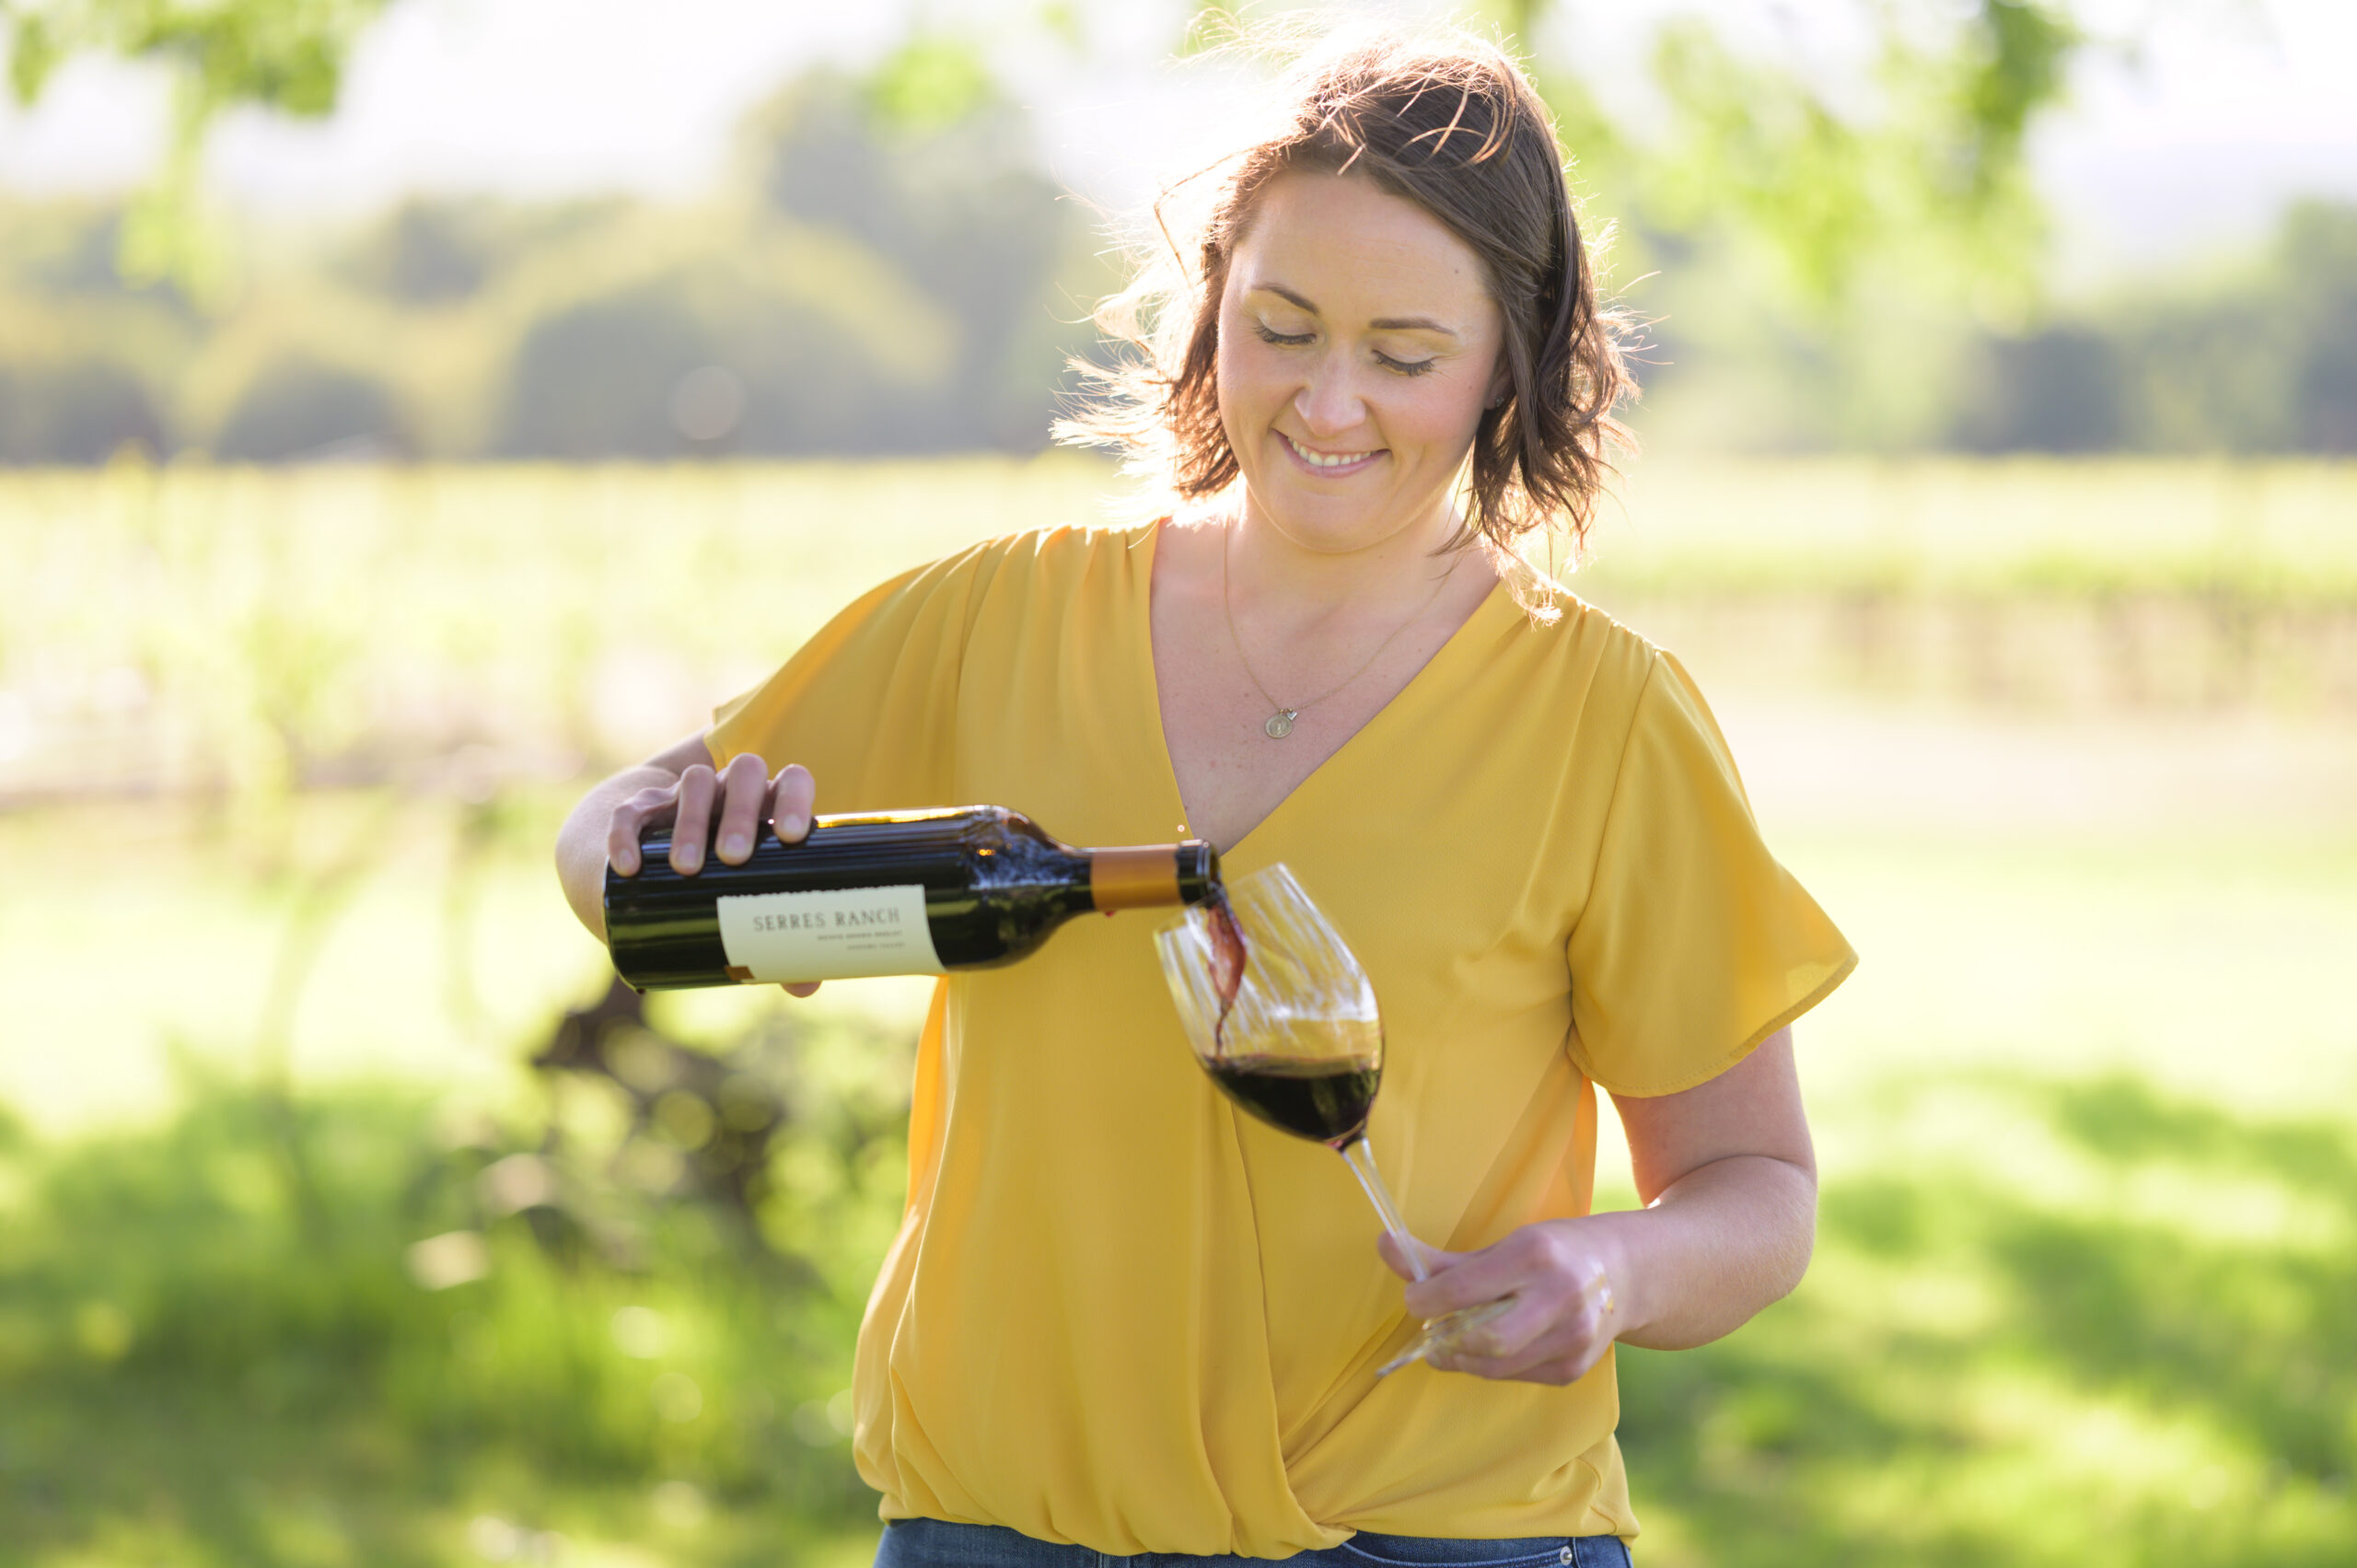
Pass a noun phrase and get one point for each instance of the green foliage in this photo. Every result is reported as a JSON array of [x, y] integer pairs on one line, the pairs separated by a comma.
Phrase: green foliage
[[2014, 66], [283, 55], [164, 1284], [930, 83], [1812, 240], [1827, 177]]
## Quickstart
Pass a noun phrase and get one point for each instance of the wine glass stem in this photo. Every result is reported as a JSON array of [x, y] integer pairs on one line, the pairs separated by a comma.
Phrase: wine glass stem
[[1360, 1156]]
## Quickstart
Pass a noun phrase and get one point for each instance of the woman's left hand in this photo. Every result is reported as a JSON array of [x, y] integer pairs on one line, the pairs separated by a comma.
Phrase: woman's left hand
[[1563, 1318]]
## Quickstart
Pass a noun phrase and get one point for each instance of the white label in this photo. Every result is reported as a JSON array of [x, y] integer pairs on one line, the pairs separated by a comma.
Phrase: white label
[[780, 937]]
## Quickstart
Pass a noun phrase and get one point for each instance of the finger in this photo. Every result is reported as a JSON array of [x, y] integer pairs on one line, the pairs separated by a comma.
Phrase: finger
[[692, 826], [1473, 1278], [628, 822], [1531, 1331], [1563, 1285], [744, 786], [1546, 1261], [1386, 1246], [1541, 1308], [1512, 1332], [802, 988], [795, 796]]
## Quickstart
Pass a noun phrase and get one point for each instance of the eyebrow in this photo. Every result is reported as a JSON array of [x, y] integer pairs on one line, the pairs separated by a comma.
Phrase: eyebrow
[[1385, 324]]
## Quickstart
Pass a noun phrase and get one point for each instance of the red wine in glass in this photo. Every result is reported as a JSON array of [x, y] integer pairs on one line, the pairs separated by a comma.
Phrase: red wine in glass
[[1326, 1102]]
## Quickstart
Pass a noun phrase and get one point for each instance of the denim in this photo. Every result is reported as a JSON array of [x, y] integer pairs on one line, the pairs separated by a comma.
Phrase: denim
[[932, 1544]]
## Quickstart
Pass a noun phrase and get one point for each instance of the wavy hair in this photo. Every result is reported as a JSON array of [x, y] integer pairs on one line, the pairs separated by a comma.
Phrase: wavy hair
[[1452, 124]]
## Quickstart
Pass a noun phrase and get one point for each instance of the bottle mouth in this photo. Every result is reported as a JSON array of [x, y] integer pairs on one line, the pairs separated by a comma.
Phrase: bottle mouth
[[1198, 870]]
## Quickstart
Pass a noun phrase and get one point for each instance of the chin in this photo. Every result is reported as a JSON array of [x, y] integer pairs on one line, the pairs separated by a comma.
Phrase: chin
[[1329, 523]]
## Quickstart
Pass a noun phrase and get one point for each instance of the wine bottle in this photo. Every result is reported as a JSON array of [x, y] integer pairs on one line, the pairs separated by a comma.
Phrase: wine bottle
[[894, 892]]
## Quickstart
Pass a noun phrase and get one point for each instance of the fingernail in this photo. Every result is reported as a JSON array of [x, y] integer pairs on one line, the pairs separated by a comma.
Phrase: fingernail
[[691, 861], [734, 845], [792, 825]]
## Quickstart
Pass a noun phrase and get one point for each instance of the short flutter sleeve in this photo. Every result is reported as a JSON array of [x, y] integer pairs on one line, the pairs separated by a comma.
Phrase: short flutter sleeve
[[869, 704], [1694, 945]]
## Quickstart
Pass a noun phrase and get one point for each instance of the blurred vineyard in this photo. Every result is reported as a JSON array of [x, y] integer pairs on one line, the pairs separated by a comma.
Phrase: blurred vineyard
[[341, 1222], [239, 630]]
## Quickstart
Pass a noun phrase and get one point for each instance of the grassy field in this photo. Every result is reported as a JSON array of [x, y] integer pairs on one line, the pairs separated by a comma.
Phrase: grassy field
[[277, 936]]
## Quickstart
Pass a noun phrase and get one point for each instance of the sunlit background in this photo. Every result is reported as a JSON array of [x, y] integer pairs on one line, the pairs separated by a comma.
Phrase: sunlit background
[[413, 409]]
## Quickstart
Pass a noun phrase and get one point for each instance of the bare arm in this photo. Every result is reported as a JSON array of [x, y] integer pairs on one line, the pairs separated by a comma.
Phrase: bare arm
[[677, 785], [1729, 1180]]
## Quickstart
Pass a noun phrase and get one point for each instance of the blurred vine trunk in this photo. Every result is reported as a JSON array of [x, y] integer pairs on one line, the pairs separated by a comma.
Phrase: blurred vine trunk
[[320, 899]]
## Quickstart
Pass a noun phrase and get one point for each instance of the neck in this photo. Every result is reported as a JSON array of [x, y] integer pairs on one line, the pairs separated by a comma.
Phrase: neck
[[1268, 567]]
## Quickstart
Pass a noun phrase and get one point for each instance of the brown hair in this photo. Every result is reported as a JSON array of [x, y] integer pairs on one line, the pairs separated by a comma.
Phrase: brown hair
[[1453, 125]]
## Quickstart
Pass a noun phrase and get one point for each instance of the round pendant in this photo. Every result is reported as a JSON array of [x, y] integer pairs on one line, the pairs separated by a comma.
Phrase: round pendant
[[1280, 722]]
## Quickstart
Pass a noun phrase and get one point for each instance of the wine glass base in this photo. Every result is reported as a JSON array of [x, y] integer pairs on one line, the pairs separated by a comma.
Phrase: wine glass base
[[1442, 1333]]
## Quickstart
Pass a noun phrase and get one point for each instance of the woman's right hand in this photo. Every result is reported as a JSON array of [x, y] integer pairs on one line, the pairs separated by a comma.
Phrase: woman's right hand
[[743, 796], [746, 797]]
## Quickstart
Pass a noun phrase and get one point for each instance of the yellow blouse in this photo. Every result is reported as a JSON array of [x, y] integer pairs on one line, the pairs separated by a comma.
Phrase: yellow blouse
[[1121, 1314]]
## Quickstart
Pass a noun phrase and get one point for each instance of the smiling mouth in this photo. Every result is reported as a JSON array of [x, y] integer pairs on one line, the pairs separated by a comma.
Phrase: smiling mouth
[[1326, 459]]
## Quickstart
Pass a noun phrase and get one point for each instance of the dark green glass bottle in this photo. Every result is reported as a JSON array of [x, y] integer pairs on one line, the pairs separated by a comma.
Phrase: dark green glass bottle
[[897, 892]]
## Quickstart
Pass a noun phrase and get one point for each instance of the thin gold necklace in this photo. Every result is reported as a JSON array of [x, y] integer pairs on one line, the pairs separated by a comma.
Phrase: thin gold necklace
[[1279, 724]]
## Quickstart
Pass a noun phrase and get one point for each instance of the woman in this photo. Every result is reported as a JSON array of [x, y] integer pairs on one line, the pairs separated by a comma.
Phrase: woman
[[1120, 1319]]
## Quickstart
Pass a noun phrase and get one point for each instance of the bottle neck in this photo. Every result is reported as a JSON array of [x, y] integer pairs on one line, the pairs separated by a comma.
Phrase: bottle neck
[[1151, 876]]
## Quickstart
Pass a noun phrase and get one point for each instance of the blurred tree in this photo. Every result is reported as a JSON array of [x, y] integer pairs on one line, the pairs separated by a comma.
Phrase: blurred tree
[[81, 411], [2057, 390], [616, 375], [734, 331], [286, 55], [2316, 277], [929, 162], [1837, 251], [298, 408], [429, 251], [2262, 358]]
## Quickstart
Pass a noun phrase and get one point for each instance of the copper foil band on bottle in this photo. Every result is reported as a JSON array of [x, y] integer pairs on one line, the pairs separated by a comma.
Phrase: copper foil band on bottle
[[1143, 876]]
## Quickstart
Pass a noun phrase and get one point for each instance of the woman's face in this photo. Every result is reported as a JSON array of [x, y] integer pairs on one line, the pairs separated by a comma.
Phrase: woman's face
[[1358, 346]]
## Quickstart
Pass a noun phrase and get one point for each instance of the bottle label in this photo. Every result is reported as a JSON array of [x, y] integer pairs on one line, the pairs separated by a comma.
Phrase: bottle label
[[844, 934]]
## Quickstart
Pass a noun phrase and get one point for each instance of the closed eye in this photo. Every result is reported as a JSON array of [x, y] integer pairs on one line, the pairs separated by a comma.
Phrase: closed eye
[[1292, 340], [1406, 366]]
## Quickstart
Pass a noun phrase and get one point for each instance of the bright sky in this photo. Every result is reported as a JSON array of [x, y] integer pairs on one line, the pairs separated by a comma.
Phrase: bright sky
[[2230, 107]]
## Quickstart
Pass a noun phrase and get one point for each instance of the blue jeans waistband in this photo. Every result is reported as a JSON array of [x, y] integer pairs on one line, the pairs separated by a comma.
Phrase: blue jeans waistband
[[935, 1543]]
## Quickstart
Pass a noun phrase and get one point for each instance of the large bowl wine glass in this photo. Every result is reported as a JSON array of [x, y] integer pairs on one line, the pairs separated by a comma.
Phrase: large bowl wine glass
[[1284, 1019]]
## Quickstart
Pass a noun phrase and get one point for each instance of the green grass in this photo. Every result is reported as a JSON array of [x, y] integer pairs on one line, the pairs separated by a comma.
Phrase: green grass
[[1982, 1367], [2268, 533], [1984, 1364], [216, 1345]]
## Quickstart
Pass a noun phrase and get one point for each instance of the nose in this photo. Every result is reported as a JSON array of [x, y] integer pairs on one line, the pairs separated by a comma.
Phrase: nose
[[1329, 403]]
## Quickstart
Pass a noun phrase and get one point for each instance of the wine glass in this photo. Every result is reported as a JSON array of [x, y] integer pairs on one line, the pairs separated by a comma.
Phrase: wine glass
[[1282, 1017]]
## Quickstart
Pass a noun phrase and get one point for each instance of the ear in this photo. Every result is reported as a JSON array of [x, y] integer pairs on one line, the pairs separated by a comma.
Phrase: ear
[[1501, 384]]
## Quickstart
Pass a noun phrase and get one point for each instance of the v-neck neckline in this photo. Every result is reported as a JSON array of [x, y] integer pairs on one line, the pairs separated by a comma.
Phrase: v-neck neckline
[[1144, 590]]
